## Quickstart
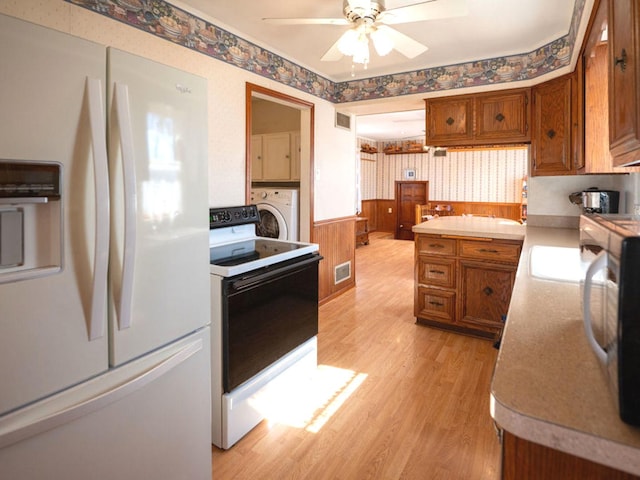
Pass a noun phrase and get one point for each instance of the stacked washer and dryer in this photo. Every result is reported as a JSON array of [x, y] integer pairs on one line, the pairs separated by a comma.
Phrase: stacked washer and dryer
[[278, 209]]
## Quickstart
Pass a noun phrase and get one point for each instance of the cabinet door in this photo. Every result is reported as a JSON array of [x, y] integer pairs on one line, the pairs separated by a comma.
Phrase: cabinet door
[[276, 149], [449, 121], [551, 142], [485, 292], [256, 157], [624, 77], [502, 118]]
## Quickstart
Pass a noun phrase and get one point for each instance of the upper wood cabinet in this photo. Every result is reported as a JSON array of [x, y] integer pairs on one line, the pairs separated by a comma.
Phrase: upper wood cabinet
[[624, 81], [594, 68], [449, 121], [503, 117], [556, 139], [271, 157], [479, 119]]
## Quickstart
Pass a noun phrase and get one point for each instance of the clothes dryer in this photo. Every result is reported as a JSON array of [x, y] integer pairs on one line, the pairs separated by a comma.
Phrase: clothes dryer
[[278, 209]]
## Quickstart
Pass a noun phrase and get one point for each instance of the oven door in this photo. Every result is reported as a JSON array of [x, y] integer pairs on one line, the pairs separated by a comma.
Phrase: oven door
[[266, 314]]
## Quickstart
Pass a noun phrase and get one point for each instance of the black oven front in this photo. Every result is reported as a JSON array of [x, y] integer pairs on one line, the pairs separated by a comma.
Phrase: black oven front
[[266, 314]]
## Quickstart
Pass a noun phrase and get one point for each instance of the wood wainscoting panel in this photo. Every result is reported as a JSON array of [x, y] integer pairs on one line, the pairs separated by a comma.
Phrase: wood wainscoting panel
[[337, 239], [369, 211], [386, 214]]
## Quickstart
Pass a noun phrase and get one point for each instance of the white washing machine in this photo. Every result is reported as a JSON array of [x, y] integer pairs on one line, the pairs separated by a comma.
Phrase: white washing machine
[[278, 209]]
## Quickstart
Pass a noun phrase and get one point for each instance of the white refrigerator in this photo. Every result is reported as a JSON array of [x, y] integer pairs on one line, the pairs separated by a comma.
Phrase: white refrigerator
[[104, 286]]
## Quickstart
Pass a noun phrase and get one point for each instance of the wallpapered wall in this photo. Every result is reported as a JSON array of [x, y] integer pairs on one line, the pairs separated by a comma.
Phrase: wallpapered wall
[[463, 176]]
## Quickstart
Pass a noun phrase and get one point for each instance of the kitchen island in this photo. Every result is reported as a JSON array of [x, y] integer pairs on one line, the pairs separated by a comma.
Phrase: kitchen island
[[465, 269], [548, 393]]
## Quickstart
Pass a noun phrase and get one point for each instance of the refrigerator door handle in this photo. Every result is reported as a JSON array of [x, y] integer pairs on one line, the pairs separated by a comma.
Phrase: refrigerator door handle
[[101, 180], [129, 180], [54, 412]]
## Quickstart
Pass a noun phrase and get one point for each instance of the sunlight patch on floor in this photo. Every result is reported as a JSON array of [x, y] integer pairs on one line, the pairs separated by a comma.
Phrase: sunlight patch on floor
[[310, 402]]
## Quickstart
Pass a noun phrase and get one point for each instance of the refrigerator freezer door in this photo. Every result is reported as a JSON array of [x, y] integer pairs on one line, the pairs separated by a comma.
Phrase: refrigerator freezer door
[[45, 322], [160, 402], [159, 270]]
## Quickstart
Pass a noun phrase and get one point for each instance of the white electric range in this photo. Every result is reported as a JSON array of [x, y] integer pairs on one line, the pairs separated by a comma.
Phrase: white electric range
[[264, 312]]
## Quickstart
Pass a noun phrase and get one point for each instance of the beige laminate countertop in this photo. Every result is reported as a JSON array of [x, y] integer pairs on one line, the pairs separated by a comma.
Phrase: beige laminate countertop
[[547, 385], [501, 228]]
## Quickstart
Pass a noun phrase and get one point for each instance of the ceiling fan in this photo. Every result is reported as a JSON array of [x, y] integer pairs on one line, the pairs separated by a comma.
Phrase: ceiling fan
[[370, 19]]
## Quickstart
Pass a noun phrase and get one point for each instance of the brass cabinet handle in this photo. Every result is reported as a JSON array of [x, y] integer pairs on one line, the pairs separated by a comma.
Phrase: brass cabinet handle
[[488, 250], [436, 245], [439, 272]]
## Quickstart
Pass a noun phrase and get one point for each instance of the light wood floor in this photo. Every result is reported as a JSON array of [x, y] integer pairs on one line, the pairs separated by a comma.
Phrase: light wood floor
[[397, 401]]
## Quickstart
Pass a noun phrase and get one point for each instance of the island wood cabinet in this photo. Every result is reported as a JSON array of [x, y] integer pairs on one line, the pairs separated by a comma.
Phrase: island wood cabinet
[[555, 138], [479, 119], [624, 81], [464, 283]]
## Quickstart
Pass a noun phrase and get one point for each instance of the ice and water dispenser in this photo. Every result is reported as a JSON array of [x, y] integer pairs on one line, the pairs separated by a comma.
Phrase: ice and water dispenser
[[30, 219]]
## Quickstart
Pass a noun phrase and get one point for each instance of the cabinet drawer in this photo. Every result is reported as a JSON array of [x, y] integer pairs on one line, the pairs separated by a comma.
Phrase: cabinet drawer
[[435, 304], [437, 271], [502, 252], [436, 245]]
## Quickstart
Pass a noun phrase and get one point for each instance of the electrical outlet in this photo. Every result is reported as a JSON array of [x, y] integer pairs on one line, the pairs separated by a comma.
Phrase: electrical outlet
[[390, 210]]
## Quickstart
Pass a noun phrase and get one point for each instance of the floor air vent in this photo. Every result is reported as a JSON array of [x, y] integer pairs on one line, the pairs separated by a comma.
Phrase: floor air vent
[[342, 272]]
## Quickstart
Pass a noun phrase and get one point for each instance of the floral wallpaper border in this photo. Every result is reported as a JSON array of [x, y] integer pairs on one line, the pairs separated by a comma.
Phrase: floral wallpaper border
[[164, 20]]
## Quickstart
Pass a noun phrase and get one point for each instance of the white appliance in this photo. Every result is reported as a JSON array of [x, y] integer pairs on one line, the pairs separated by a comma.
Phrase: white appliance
[[278, 209], [264, 320], [104, 285]]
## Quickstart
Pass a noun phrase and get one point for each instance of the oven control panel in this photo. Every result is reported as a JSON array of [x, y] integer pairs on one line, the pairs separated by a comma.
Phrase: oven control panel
[[231, 216]]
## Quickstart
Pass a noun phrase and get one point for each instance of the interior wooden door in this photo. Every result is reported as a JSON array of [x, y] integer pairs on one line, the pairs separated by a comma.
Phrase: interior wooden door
[[408, 195]]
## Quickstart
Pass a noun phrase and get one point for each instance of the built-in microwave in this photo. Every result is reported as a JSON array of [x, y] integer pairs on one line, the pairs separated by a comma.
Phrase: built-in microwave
[[611, 304]]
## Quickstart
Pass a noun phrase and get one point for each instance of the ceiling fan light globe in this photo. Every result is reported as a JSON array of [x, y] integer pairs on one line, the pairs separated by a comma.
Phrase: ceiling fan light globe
[[361, 52], [348, 42], [382, 43]]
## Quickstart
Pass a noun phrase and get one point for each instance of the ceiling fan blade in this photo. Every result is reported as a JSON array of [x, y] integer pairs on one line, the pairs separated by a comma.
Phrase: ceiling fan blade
[[407, 46], [420, 12], [307, 21], [333, 54]]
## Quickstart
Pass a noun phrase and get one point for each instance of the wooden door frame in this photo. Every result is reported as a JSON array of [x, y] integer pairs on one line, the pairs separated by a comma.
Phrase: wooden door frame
[[398, 184], [252, 90]]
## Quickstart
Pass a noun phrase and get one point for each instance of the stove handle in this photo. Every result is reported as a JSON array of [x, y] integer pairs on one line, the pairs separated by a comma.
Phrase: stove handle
[[248, 282]]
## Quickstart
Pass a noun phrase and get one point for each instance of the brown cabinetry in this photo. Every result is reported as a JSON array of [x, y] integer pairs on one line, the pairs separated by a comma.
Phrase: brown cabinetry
[[523, 460], [479, 119], [362, 231], [624, 81], [555, 137], [464, 283], [593, 68]]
